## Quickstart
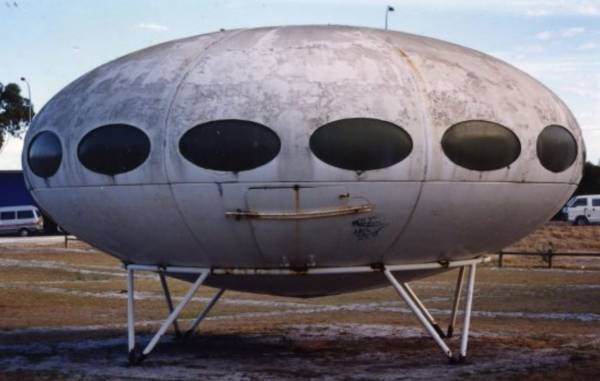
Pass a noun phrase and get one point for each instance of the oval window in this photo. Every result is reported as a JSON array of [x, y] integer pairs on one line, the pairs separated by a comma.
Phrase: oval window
[[480, 145], [230, 145], [45, 154], [113, 149], [556, 148], [361, 144]]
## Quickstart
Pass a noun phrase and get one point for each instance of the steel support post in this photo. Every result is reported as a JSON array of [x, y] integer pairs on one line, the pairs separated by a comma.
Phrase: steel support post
[[464, 339], [130, 317], [456, 302], [204, 312], [418, 313], [165, 287], [424, 310]]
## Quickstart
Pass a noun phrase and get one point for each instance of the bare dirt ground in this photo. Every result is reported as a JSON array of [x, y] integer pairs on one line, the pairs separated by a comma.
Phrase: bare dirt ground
[[63, 314]]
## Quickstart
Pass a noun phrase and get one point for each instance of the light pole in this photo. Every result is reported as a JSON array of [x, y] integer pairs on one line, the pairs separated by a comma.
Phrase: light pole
[[387, 11], [29, 95]]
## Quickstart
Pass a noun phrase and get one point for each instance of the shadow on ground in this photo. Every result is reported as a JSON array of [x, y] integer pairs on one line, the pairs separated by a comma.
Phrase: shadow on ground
[[325, 352]]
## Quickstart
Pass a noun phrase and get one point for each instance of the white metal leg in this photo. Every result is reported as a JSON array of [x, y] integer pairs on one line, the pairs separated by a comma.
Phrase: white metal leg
[[165, 325], [130, 316], [204, 312], [165, 287], [423, 309], [418, 313], [468, 306], [456, 303]]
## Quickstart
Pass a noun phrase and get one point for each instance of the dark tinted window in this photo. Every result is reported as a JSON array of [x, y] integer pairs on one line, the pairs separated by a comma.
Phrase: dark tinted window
[[556, 148], [230, 145], [596, 202], [45, 154], [361, 144], [580, 202], [7, 216], [481, 145], [114, 149], [25, 214]]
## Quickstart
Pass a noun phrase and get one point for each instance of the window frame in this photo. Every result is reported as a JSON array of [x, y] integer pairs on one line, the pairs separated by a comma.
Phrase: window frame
[[29, 213], [544, 161], [187, 145], [452, 153], [325, 135], [576, 205], [35, 168], [3, 214], [97, 169]]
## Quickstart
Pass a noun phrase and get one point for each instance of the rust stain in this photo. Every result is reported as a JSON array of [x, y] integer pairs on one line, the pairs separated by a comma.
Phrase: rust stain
[[296, 198], [411, 64]]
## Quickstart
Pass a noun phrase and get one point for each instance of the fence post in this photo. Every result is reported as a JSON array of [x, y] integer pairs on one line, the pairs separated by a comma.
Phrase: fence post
[[500, 259]]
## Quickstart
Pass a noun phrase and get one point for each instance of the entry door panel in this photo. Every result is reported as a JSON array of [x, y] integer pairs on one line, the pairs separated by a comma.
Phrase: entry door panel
[[293, 226], [334, 225], [279, 225]]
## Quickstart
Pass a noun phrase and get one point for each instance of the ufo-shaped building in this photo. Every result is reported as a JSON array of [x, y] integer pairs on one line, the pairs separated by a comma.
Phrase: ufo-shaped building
[[284, 159]]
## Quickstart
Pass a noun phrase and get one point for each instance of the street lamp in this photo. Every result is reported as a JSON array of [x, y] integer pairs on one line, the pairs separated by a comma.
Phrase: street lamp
[[387, 11], [29, 95]]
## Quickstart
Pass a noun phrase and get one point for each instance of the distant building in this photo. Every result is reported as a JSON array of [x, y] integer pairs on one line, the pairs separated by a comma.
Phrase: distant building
[[14, 192]]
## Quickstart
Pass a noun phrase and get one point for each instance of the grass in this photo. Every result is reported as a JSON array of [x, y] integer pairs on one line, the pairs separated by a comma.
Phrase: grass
[[56, 299]]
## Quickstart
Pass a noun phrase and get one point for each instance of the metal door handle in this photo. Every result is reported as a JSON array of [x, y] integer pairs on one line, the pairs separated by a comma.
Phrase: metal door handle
[[301, 214]]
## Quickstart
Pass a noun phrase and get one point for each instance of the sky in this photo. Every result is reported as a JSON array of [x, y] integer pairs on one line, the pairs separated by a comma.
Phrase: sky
[[53, 42]]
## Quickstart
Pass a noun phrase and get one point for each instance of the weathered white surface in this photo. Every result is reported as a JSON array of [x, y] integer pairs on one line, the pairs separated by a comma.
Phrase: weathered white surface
[[293, 80]]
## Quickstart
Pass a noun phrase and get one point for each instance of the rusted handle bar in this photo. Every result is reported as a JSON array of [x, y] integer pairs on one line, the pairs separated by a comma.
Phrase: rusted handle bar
[[301, 214]]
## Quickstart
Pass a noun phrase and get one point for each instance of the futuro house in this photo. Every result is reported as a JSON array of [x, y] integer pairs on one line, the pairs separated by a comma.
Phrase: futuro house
[[299, 148]]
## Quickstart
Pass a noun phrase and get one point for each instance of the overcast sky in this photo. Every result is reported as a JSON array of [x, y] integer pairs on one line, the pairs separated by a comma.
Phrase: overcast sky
[[52, 42]]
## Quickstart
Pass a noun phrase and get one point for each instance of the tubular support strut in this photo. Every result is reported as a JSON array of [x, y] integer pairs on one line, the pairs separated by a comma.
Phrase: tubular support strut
[[165, 287], [456, 303], [130, 317], [424, 310], [134, 357], [429, 323], [204, 312], [464, 339]]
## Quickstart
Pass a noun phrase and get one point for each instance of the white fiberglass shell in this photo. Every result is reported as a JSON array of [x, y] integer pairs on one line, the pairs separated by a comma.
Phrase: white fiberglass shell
[[293, 80]]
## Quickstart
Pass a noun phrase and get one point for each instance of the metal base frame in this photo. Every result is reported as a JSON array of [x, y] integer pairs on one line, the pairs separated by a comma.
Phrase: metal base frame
[[403, 289]]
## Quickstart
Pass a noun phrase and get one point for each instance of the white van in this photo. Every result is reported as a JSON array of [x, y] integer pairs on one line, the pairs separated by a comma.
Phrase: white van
[[584, 209], [23, 219]]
